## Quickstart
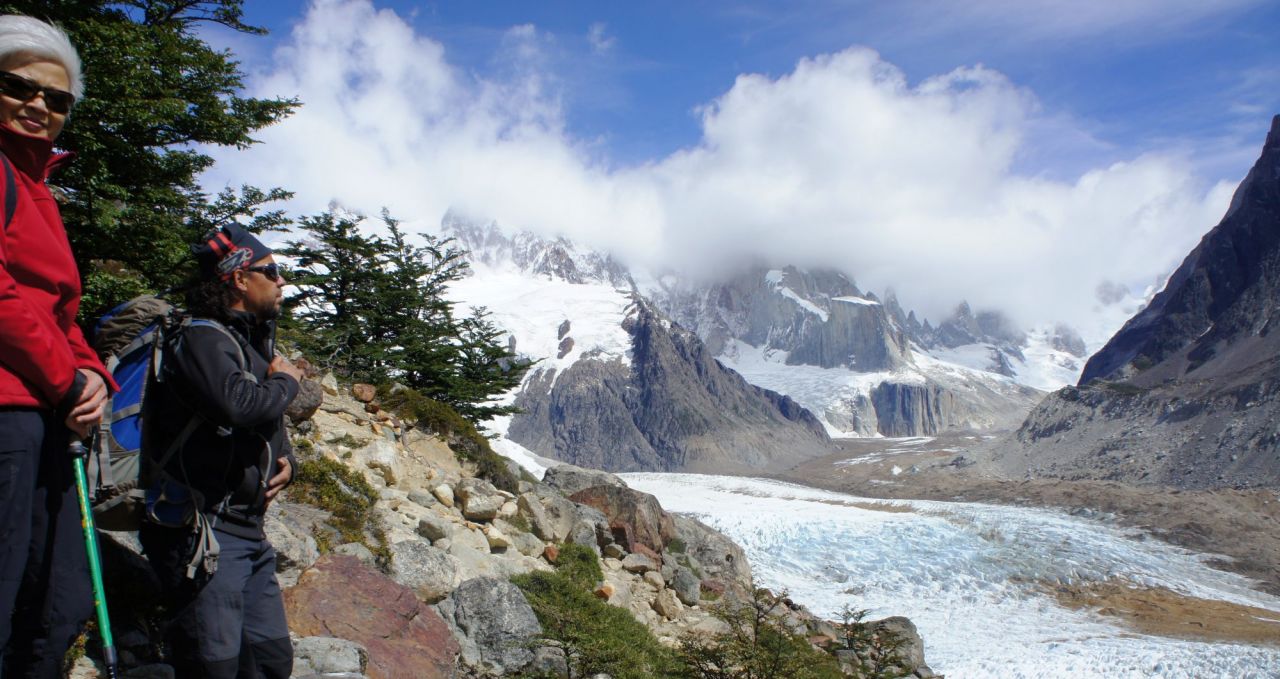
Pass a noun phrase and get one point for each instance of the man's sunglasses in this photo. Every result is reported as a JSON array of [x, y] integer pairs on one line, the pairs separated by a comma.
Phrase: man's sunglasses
[[26, 89], [271, 271]]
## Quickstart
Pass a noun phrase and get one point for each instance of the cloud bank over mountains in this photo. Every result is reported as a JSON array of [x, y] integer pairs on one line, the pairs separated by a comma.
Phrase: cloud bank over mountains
[[841, 162]]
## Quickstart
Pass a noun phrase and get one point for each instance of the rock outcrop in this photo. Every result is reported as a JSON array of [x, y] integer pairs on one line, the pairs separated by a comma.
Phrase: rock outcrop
[[674, 408], [341, 597], [1187, 393], [816, 317]]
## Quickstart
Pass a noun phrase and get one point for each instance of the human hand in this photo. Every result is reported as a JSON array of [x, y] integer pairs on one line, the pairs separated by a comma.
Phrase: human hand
[[277, 483], [87, 412], [280, 365]]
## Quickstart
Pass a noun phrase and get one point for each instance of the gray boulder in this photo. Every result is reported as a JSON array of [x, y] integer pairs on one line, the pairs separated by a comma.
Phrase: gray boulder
[[561, 516], [494, 624], [430, 572], [479, 499], [568, 479], [686, 585], [328, 656], [434, 527], [540, 523], [357, 550]]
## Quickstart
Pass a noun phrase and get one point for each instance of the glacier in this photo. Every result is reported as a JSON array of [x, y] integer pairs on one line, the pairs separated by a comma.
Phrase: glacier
[[972, 577]]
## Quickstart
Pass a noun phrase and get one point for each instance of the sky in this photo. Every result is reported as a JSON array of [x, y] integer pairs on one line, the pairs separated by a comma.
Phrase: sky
[[1018, 154]]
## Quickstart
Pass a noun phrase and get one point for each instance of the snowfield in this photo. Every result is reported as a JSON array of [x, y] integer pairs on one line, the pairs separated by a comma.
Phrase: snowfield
[[532, 308], [971, 577]]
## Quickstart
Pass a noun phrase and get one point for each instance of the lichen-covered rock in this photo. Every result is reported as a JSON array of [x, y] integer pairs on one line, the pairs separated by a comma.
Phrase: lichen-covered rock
[[721, 559], [357, 550], [479, 500], [339, 596], [667, 605], [638, 563], [686, 586], [494, 623], [295, 548], [434, 527]]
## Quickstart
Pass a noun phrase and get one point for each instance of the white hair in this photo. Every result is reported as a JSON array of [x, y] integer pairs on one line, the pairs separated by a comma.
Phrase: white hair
[[25, 37]]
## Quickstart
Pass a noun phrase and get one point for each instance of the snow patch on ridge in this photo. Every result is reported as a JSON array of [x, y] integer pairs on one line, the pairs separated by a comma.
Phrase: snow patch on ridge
[[774, 278], [532, 308]]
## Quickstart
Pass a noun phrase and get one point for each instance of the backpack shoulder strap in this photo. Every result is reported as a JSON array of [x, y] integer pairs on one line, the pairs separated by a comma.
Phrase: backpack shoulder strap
[[10, 191], [210, 323]]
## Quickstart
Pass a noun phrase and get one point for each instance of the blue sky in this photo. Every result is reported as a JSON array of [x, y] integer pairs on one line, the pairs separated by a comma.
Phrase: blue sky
[[1200, 77], [1018, 154]]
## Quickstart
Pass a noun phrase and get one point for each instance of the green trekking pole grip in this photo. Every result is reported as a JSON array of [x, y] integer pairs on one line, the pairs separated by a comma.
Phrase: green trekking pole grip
[[79, 454]]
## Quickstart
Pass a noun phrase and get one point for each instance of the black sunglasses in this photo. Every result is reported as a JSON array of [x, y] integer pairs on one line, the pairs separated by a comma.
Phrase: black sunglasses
[[271, 271], [26, 89]]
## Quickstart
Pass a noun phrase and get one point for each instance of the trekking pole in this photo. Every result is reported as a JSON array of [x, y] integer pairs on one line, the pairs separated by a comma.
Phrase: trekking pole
[[79, 453]]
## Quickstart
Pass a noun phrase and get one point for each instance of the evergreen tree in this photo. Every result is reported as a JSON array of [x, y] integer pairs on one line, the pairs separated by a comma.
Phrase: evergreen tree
[[338, 275], [375, 308], [154, 93]]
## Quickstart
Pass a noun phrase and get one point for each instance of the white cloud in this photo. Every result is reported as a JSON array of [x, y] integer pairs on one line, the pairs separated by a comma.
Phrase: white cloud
[[840, 162], [599, 39]]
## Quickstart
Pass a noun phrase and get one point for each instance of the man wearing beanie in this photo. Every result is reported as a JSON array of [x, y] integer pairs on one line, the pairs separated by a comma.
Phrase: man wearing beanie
[[222, 378]]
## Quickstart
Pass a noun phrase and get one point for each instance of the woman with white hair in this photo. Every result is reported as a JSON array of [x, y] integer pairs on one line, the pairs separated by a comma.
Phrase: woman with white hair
[[52, 385]]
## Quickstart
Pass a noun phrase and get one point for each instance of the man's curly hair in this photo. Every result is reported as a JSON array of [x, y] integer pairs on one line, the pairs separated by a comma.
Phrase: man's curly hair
[[211, 298]]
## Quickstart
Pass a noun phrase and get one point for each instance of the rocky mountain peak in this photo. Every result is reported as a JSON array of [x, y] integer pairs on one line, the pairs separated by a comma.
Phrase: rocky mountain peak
[[557, 258], [1215, 314]]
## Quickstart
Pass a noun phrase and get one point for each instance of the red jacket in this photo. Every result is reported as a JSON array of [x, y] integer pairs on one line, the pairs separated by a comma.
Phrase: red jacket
[[41, 347]]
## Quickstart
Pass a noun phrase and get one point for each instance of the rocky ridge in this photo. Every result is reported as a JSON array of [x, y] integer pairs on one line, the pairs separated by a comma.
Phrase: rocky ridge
[[877, 380], [1187, 393], [673, 407], [436, 600]]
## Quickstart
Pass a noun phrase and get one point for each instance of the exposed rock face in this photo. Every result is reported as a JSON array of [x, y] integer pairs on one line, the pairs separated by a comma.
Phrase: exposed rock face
[[340, 597], [674, 408], [1188, 392], [720, 559], [818, 317], [568, 479], [1214, 316], [495, 623], [635, 518]]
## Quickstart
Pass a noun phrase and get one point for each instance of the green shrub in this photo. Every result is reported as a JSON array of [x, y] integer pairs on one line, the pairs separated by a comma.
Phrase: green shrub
[[463, 439], [596, 637], [343, 492], [580, 564], [758, 645]]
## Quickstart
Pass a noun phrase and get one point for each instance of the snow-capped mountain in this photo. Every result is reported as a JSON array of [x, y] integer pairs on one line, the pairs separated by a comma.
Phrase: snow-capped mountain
[[617, 385], [806, 342], [862, 365]]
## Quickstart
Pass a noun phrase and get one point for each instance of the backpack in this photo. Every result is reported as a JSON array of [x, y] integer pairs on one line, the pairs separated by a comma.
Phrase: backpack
[[132, 340]]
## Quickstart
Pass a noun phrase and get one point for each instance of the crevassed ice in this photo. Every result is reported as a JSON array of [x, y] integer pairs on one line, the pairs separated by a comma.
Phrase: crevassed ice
[[970, 576]]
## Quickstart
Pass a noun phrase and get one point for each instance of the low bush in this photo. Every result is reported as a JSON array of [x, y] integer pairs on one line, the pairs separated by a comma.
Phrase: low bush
[[595, 636], [343, 492]]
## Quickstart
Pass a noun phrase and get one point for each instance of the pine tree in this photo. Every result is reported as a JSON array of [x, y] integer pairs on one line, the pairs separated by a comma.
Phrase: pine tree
[[154, 94], [338, 273], [376, 308]]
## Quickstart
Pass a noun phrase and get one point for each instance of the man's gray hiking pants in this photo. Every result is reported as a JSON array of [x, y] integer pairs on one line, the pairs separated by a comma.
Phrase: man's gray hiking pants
[[232, 627]]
